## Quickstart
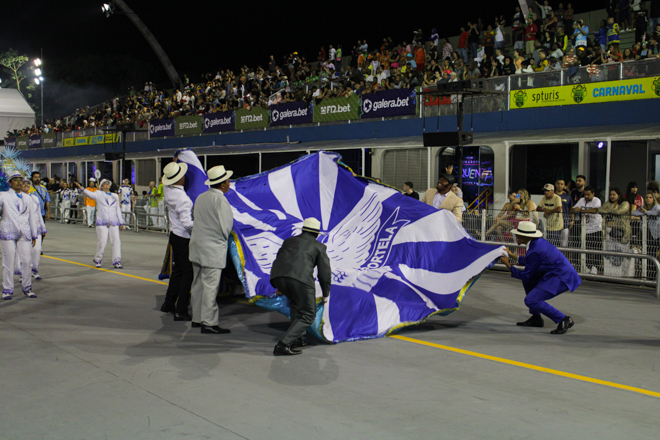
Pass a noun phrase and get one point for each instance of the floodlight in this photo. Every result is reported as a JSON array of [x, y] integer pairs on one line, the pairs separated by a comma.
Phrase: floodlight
[[37, 72], [37, 62], [36, 81], [600, 145], [41, 78], [108, 9]]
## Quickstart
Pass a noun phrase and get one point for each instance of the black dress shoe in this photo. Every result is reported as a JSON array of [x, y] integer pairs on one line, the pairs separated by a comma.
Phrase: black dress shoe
[[563, 326], [195, 324], [182, 317], [214, 329], [534, 321], [299, 343], [285, 350], [167, 308]]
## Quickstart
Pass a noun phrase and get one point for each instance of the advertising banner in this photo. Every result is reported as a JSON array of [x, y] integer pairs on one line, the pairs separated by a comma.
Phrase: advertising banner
[[187, 125], [81, 141], [111, 138], [96, 139], [337, 109], [590, 93], [254, 118], [35, 142], [161, 128], [291, 113], [10, 142], [389, 103], [22, 142], [217, 122], [68, 142], [48, 140]]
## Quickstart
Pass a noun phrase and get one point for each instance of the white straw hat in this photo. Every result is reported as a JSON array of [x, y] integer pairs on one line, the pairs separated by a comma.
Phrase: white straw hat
[[13, 175], [312, 225], [218, 174], [527, 229], [173, 172]]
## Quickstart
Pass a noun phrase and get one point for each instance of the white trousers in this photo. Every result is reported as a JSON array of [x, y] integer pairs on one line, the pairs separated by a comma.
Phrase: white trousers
[[204, 290], [126, 209], [563, 237], [102, 233], [91, 210], [9, 250], [64, 205], [152, 210], [35, 257], [161, 211]]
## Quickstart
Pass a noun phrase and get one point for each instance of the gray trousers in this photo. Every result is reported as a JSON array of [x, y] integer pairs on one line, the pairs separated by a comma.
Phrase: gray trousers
[[302, 302], [204, 289]]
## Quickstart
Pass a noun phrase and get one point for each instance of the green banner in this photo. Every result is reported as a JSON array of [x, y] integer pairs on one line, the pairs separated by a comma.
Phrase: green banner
[[22, 142], [337, 109], [188, 125], [255, 118], [48, 141]]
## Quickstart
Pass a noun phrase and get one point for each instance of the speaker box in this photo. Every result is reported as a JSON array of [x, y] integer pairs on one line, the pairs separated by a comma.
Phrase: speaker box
[[448, 139], [126, 126], [113, 156], [462, 86]]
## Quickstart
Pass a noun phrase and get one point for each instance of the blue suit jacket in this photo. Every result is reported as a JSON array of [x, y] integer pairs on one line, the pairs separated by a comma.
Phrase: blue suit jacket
[[546, 268]]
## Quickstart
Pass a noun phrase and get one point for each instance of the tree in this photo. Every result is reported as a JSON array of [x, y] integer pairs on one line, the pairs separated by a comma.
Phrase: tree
[[12, 63]]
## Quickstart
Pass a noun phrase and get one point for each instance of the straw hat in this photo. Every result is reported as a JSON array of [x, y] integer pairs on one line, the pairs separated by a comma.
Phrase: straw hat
[[173, 172], [527, 229], [218, 174], [312, 225]]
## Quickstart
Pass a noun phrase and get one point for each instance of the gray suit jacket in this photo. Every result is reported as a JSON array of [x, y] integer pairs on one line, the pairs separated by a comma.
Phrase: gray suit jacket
[[213, 224]]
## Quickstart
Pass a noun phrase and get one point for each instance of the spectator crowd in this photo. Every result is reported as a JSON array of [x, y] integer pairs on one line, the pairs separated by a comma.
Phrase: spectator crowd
[[546, 39]]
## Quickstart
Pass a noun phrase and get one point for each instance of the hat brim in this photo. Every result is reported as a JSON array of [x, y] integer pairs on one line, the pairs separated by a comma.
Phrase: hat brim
[[535, 234], [210, 182], [183, 169], [313, 231]]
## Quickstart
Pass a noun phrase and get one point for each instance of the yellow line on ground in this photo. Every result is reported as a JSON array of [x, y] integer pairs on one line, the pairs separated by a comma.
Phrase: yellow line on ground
[[106, 270], [531, 367]]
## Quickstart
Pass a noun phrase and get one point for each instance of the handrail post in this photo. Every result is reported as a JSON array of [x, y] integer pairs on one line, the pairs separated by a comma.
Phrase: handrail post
[[483, 225], [644, 245]]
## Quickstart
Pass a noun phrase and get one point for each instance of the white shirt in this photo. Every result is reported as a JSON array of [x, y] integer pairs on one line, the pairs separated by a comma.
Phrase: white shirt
[[438, 199], [125, 192], [180, 209], [17, 222], [333, 52], [594, 222], [108, 209]]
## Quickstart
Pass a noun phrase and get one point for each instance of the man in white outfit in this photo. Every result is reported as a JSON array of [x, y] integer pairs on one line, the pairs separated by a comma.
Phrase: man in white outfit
[[109, 222], [35, 253], [18, 230], [126, 197], [65, 194], [208, 248]]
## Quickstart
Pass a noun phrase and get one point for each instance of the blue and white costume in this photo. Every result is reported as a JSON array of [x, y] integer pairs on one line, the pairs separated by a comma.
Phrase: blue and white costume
[[66, 197], [126, 196], [35, 252], [17, 230], [108, 220]]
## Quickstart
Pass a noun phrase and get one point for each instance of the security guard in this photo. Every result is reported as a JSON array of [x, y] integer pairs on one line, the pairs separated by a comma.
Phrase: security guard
[[547, 274], [293, 275]]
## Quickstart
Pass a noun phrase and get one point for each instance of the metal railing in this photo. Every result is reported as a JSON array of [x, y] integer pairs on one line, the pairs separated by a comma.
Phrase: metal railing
[[67, 217], [157, 225], [600, 246]]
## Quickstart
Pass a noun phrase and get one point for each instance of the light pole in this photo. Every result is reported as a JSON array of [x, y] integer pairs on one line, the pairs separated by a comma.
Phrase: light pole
[[39, 80], [109, 8]]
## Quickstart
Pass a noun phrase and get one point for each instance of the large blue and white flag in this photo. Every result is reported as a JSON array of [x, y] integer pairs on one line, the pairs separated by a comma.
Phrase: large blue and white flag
[[395, 261], [195, 176]]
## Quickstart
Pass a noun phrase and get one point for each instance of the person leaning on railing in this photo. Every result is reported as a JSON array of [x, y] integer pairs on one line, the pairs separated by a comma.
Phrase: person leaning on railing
[[503, 221], [617, 223], [651, 209]]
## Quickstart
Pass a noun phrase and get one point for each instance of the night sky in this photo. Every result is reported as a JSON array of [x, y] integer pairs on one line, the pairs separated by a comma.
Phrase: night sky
[[89, 58]]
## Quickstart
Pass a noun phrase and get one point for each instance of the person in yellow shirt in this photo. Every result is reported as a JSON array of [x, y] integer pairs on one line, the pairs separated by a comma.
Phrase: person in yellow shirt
[[90, 204]]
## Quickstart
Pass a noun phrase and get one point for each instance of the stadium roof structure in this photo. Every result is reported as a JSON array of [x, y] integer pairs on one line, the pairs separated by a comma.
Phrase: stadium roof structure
[[15, 112]]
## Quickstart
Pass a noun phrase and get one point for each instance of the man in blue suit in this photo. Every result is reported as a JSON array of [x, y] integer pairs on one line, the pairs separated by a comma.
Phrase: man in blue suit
[[547, 274]]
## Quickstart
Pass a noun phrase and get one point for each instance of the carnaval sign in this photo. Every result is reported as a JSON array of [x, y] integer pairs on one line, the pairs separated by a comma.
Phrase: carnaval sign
[[389, 103], [395, 261], [589, 93]]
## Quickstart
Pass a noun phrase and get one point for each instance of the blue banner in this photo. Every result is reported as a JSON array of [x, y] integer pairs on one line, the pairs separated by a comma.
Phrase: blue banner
[[389, 103], [161, 128], [217, 122], [291, 113], [10, 142], [35, 142]]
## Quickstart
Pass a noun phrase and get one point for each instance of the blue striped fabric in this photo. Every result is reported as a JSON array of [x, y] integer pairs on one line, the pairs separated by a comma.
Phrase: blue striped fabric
[[395, 261]]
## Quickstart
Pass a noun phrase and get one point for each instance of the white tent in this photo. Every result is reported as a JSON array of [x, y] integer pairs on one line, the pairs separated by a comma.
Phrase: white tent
[[15, 113]]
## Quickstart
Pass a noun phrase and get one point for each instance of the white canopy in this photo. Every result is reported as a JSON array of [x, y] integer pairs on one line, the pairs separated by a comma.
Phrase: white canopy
[[15, 112]]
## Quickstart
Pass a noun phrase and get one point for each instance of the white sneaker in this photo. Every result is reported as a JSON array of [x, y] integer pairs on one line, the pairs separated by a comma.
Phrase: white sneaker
[[6, 295], [97, 263], [118, 265], [36, 276], [30, 294], [594, 271]]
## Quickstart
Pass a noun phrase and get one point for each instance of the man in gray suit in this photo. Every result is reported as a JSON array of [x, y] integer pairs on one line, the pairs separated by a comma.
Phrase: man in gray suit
[[208, 248], [293, 275]]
